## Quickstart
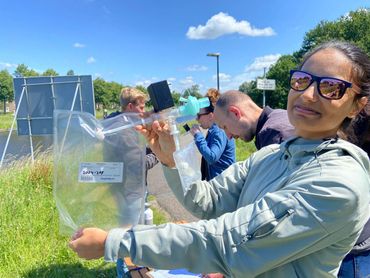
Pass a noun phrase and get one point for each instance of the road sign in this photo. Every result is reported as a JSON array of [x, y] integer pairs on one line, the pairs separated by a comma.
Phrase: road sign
[[266, 84]]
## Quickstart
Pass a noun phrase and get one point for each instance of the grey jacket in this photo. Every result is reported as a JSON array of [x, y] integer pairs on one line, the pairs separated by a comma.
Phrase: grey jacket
[[290, 210]]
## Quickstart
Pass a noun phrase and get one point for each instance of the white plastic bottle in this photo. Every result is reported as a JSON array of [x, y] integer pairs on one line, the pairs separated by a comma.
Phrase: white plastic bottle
[[148, 215]]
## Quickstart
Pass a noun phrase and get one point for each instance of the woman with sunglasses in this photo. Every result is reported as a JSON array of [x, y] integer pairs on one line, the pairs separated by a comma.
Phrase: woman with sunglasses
[[218, 151], [290, 210]]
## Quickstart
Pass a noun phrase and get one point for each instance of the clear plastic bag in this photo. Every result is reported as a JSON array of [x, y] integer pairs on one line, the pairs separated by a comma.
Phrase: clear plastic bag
[[188, 164], [99, 180]]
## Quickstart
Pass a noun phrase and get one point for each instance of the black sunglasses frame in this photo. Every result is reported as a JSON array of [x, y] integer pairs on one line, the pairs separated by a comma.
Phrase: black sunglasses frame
[[318, 79], [199, 115]]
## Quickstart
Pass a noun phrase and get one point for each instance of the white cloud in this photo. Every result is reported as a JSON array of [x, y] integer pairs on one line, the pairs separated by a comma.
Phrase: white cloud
[[196, 68], [187, 82], [146, 82], [223, 77], [251, 72], [236, 81], [172, 79], [78, 45], [5, 65], [91, 60], [223, 24], [262, 62]]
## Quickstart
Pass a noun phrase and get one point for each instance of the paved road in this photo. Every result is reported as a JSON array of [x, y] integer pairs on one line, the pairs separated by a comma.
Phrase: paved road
[[158, 187]]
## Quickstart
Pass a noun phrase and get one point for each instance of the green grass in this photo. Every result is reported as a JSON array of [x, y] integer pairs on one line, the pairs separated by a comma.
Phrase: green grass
[[158, 216], [6, 121], [244, 149], [30, 243]]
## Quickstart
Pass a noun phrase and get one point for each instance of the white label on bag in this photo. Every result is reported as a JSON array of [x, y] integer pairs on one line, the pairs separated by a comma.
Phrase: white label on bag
[[100, 172]]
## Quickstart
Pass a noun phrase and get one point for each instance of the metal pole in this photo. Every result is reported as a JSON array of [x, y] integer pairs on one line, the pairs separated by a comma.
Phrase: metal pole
[[264, 96], [12, 126], [4, 102], [29, 120], [69, 118], [217, 55], [218, 74]]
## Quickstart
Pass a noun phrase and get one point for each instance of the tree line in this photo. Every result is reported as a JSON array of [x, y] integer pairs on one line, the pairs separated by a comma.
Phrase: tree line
[[353, 27], [106, 92]]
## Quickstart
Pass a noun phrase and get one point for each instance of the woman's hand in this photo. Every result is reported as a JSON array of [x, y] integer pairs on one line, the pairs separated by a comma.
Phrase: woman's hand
[[160, 141], [195, 129], [89, 243]]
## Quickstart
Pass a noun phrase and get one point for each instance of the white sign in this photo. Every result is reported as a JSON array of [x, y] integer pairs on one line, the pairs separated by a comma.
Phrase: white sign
[[266, 84], [100, 172]]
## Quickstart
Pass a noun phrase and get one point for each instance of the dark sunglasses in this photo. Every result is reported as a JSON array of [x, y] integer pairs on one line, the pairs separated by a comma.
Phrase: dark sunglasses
[[199, 115], [328, 87]]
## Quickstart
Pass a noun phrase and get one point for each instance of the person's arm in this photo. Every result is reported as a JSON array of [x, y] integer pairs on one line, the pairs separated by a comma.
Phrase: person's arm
[[211, 199], [212, 148], [284, 226], [313, 213], [151, 159], [308, 217]]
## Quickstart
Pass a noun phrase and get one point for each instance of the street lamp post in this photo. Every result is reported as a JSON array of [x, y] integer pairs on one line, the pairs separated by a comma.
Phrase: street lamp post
[[217, 55]]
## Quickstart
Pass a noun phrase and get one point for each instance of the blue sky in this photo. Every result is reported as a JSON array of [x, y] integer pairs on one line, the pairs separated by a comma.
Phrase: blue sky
[[138, 42]]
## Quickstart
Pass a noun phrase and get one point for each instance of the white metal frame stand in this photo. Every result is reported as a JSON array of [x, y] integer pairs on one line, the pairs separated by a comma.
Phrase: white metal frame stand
[[29, 119]]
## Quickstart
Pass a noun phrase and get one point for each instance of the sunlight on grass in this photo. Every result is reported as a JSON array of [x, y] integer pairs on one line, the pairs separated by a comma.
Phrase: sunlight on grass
[[6, 121], [244, 149], [30, 244]]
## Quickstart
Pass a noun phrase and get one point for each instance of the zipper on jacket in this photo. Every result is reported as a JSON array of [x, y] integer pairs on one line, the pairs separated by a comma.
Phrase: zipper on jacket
[[265, 229]]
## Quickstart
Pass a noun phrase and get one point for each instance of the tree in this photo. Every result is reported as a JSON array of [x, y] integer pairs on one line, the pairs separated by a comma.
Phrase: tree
[[192, 91], [114, 90], [50, 72], [101, 92], [353, 27], [142, 88], [107, 93], [70, 72], [23, 71], [280, 72], [250, 88], [176, 97], [6, 87]]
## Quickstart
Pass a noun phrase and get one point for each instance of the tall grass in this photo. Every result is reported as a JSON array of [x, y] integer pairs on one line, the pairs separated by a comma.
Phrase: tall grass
[[30, 244], [244, 149], [6, 121]]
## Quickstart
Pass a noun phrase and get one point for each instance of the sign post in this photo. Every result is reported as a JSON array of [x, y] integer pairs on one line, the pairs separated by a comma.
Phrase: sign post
[[265, 84]]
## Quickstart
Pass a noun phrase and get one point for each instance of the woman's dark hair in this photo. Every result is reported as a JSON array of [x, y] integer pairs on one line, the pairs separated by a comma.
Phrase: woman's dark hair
[[356, 130]]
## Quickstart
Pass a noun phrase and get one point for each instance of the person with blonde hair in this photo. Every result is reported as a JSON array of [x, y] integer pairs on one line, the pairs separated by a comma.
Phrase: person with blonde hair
[[132, 101]]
